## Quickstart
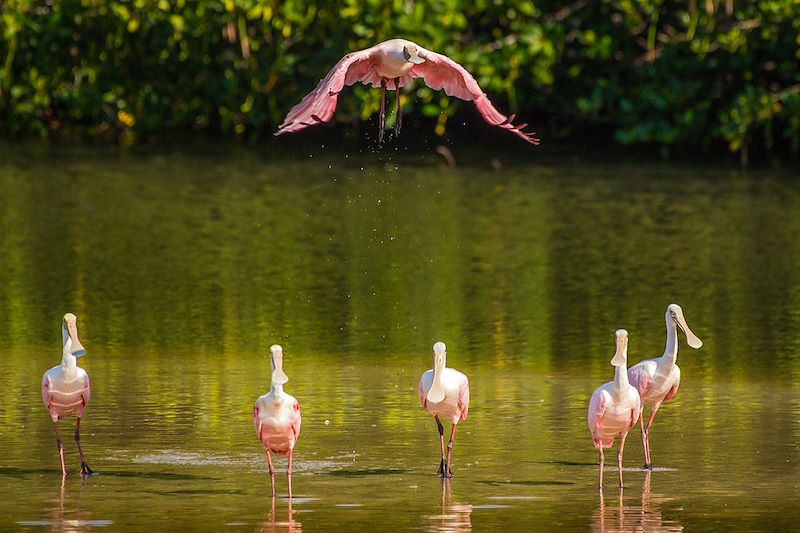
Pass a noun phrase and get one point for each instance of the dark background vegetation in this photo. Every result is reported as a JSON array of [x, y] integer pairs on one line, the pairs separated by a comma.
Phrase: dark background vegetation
[[677, 77]]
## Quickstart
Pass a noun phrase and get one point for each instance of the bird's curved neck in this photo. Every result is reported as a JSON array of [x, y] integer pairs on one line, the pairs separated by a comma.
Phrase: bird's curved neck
[[277, 389], [671, 349]]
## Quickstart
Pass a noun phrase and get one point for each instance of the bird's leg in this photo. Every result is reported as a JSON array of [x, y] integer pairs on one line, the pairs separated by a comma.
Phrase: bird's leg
[[382, 120], [646, 436], [85, 470], [60, 449], [398, 123], [271, 473], [601, 467], [449, 472], [619, 458], [289, 474], [441, 471]]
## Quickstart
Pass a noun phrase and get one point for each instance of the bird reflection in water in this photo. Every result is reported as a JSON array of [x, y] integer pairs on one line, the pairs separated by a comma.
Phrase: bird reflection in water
[[644, 517], [454, 517], [64, 519], [274, 523]]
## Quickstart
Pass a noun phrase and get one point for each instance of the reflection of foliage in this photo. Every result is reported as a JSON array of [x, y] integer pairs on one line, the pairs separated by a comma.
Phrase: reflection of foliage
[[669, 73]]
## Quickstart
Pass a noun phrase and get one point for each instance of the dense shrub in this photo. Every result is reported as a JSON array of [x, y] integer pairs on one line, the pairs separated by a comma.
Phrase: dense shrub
[[672, 74]]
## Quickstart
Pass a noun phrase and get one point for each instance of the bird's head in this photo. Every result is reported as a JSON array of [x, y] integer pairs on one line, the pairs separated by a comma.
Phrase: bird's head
[[621, 355], [411, 54], [675, 316], [439, 354], [276, 362], [69, 333]]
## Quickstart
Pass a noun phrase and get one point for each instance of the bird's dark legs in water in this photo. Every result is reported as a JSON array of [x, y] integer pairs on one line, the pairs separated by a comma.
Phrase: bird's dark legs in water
[[85, 470], [383, 110], [399, 120], [441, 471]]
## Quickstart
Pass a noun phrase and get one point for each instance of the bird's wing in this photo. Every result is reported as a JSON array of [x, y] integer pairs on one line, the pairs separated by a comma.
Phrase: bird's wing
[[319, 105], [440, 72], [46, 390], [257, 421], [422, 392], [640, 375], [463, 399], [296, 420], [597, 409], [86, 393]]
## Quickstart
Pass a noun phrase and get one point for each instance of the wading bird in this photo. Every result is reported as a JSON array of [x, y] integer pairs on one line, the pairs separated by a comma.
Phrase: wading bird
[[392, 64], [66, 389], [657, 380], [444, 392], [615, 407], [276, 418]]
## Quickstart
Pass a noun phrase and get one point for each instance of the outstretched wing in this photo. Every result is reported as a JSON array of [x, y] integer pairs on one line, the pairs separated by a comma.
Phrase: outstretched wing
[[319, 105], [440, 72]]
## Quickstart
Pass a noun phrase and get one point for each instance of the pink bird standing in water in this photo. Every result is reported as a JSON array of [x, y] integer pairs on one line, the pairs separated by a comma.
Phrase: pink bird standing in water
[[393, 64], [444, 392], [66, 389], [657, 380], [614, 408], [276, 418]]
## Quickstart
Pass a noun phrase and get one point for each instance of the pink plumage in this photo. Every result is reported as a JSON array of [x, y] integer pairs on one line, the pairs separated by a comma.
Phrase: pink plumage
[[615, 407], [393, 64]]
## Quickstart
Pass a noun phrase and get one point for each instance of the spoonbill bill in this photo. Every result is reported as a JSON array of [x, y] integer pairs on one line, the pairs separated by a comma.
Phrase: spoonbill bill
[[393, 64], [657, 380], [615, 407], [66, 389], [444, 392], [276, 418]]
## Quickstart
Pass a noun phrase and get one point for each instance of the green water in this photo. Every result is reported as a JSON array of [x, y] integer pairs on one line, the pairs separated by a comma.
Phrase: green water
[[184, 267]]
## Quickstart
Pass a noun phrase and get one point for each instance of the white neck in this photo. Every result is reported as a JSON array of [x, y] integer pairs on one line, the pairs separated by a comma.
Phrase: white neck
[[671, 349], [69, 363], [277, 389], [621, 377]]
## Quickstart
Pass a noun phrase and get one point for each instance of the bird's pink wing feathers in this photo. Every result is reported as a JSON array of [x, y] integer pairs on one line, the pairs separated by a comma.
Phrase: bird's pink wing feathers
[[319, 105], [46, 391], [256, 421], [597, 409], [640, 377], [463, 399], [87, 390], [440, 72], [296, 420]]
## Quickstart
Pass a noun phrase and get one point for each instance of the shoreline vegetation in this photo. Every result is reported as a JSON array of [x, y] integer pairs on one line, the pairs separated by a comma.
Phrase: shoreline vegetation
[[710, 77]]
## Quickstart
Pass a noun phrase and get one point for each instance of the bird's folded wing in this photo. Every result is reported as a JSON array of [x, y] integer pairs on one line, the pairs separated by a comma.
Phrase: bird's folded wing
[[320, 104], [440, 72], [463, 399]]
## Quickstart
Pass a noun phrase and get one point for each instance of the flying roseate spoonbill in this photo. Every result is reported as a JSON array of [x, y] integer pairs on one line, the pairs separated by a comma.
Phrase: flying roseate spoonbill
[[615, 407], [657, 380], [393, 64], [444, 392], [276, 418], [66, 389]]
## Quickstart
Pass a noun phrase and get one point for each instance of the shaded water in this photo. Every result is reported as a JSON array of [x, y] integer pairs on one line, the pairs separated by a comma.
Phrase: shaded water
[[183, 269]]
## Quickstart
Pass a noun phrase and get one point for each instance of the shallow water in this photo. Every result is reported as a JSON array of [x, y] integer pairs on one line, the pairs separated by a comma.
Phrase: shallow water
[[184, 268]]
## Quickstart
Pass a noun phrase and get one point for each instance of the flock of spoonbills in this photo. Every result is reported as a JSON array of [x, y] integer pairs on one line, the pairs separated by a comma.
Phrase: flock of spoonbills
[[614, 408]]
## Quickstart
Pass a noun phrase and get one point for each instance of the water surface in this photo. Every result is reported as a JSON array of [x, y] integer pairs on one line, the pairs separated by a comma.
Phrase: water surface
[[184, 267]]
